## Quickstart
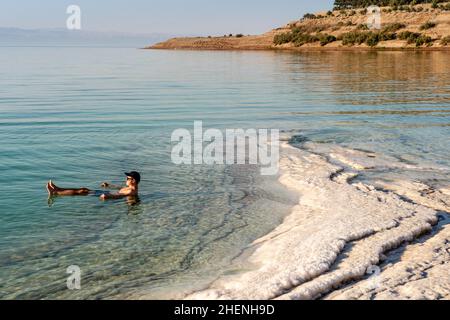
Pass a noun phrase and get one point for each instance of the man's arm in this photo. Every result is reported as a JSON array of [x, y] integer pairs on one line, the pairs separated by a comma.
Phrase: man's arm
[[123, 193], [112, 196], [107, 185]]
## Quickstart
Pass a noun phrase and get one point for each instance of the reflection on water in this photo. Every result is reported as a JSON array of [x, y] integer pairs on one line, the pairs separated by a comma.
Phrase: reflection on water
[[132, 202], [380, 112], [85, 115], [386, 77]]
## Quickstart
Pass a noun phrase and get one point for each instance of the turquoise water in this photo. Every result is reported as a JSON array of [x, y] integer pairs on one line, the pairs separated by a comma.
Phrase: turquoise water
[[81, 116]]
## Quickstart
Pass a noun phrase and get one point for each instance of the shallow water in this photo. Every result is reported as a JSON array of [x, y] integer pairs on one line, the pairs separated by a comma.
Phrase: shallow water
[[84, 115]]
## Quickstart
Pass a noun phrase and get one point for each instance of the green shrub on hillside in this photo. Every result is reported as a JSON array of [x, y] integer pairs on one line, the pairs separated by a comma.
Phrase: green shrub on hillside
[[409, 36], [393, 27], [309, 16], [423, 40], [296, 37], [445, 41], [386, 36], [304, 34], [354, 37], [370, 38], [283, 38], [362, 27], [304, 38], [428, 25], [325, 38], [416, 38]]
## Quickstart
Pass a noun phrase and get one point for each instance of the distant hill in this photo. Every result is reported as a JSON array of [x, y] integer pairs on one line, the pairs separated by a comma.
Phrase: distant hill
[[64, 37], [419, 26]]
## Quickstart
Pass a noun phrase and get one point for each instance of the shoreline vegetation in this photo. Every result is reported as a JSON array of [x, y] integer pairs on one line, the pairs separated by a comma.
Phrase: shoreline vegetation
[[405, 25]]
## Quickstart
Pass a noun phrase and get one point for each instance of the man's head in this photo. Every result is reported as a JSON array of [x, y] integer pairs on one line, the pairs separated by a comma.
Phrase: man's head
[[133, 178]]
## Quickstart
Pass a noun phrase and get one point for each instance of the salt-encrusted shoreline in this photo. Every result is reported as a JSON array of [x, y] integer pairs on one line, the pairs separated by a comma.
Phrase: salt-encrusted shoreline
[[341, 229]]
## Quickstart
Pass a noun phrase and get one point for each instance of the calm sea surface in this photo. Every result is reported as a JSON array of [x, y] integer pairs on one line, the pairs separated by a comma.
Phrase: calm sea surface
[[81, 116]]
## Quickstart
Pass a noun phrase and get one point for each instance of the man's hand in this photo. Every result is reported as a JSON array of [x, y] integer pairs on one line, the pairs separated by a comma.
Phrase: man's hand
[[107, 185], [109, 196]]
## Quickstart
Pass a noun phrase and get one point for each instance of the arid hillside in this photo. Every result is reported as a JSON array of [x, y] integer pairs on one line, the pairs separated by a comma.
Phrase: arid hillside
[[423, 26]]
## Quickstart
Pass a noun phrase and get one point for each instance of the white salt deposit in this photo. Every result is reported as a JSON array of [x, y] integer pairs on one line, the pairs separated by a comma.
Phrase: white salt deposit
[[419, 271], [339, 230]]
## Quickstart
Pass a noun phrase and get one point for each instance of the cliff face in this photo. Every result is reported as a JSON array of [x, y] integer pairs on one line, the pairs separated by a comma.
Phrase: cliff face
[[336, 27]]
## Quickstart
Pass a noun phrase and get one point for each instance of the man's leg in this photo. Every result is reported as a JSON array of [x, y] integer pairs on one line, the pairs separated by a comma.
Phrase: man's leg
[[53, 190]]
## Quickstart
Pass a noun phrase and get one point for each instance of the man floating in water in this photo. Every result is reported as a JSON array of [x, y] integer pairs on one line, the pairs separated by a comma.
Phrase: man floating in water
[[131, 189]]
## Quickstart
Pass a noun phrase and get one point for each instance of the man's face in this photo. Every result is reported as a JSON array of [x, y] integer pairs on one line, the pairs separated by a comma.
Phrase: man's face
[[131, 182]]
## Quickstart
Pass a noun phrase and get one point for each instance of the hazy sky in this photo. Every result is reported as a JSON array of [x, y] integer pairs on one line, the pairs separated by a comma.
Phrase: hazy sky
[[203, 17]]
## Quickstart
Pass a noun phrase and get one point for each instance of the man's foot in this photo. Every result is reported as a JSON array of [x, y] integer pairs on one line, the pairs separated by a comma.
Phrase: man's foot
[[53, 186], [50, 188]]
